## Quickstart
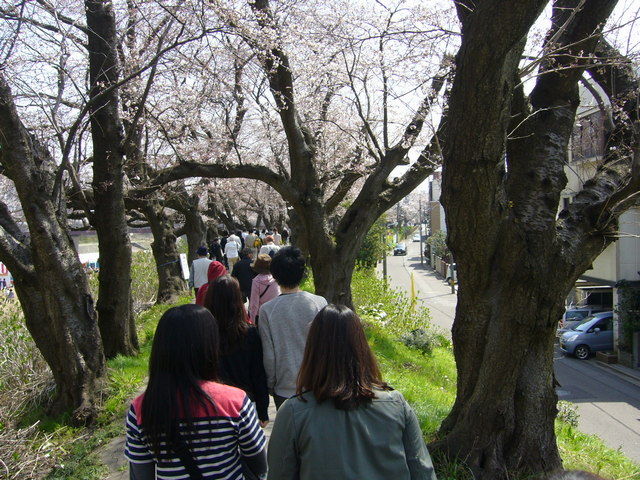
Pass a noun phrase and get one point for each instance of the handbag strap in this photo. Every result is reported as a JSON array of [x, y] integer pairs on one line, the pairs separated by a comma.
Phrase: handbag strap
[[265, 291], [185, 456]]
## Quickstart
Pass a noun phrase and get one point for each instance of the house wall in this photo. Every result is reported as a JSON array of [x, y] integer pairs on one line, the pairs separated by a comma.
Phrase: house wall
[[629, 245]]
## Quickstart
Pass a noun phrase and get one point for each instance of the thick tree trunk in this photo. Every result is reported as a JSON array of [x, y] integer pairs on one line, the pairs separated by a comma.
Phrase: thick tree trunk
[[196, 232], [167, 256], [503, 175], [50, 281], [114, 306]]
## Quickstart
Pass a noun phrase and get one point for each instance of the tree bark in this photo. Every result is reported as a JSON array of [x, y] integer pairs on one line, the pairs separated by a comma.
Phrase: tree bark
[[515, 267], [194, 227], [167, 256], [114, 306], [49, 279]]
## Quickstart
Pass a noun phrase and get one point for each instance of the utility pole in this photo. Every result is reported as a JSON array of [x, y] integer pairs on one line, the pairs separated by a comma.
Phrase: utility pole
[[398, 223], [420, 229]]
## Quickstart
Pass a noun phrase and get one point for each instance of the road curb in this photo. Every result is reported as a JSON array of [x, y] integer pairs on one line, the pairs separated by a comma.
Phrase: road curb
[[619, 371]]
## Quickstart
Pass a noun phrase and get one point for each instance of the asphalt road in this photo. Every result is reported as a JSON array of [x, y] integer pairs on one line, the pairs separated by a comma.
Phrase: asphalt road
[[608, 400]]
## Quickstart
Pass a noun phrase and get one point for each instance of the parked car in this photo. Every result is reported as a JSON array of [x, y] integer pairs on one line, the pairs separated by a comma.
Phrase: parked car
[[416, 237], [573, 316], [400, 249], [593, 334]]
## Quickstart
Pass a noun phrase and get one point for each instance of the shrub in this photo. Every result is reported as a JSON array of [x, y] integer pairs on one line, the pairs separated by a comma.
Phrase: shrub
[[384, 307], [422, 339], [568, 413], [373, 248], [438, 243]]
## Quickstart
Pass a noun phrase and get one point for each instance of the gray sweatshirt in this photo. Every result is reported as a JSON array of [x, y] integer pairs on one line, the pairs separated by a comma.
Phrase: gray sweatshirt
[[284, 324]]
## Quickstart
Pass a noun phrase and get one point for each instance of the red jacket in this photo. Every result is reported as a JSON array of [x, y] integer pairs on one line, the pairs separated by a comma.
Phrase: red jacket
[[216, 269]]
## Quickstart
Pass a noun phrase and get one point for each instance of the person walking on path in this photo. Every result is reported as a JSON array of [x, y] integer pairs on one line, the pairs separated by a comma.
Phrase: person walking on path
[[263, 287], [345, 422], [243, 272], [284, 322], [240, 344], [269, 247], [186, 421], [215, 250], [277, 238], [216, 269], [198, 270], [232, 250], [223, 244], [250, 242]]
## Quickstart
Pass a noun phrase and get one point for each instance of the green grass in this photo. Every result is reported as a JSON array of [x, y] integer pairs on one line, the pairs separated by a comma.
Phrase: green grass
[[427, 380], [580, 451]]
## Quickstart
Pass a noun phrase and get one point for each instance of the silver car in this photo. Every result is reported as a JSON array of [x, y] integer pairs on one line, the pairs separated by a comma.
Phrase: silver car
[[593, 334]]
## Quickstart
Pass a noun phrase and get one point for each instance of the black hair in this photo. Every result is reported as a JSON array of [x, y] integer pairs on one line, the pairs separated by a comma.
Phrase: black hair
[[184, 353], [288, 266], [224, 301], [246, 251]]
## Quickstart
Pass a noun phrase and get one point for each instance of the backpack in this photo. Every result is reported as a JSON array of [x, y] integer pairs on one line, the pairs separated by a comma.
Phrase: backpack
[[257, 243]]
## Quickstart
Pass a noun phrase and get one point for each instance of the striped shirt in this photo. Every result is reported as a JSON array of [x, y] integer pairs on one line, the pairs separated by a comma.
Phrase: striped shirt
[[219, 440]]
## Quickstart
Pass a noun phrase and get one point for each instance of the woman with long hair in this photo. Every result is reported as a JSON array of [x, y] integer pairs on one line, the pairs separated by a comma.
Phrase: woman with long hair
[[345, 422], [186, 424], [240, 346]]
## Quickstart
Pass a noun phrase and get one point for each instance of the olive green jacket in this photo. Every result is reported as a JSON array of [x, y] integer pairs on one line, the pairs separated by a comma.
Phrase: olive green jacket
[[381, 441]]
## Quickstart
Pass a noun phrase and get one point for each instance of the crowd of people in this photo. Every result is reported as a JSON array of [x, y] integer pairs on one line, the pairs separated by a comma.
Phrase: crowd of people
[[215, 365]]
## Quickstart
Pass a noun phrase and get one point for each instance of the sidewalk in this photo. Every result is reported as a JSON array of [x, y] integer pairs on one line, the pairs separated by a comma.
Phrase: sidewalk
[[112, 455], [430, 288], [620, 371]]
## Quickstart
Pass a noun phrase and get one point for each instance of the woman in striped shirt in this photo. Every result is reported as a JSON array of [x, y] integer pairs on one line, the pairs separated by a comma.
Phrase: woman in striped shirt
[[185, 409]]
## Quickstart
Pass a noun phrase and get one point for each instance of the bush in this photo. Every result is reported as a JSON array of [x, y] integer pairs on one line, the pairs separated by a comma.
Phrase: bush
[[421, 339], [373, 248], [438, 243], [568, 413], [386, 308]]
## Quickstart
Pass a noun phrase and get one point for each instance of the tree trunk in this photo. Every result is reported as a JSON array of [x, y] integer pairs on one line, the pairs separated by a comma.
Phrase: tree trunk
[[167, 256], [50, 281], [503, 174], [115, 306]]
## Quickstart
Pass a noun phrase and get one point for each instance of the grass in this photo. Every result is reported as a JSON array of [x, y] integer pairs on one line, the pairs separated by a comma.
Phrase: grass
[[425, 374]]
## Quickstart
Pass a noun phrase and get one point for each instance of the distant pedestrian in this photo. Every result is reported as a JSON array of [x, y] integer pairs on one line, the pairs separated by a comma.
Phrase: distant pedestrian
[[232, 250], [285, 236], [263, 234], [243, 272], [215, 250], [277, 238], [269, 247], [10, 296], [216, 269], [263, 287], [198, 270], [223, 244], [284, 322], [250, 242]]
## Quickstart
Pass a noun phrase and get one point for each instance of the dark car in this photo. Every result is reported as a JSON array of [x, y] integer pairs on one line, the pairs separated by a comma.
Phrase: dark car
[[400, 249]]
